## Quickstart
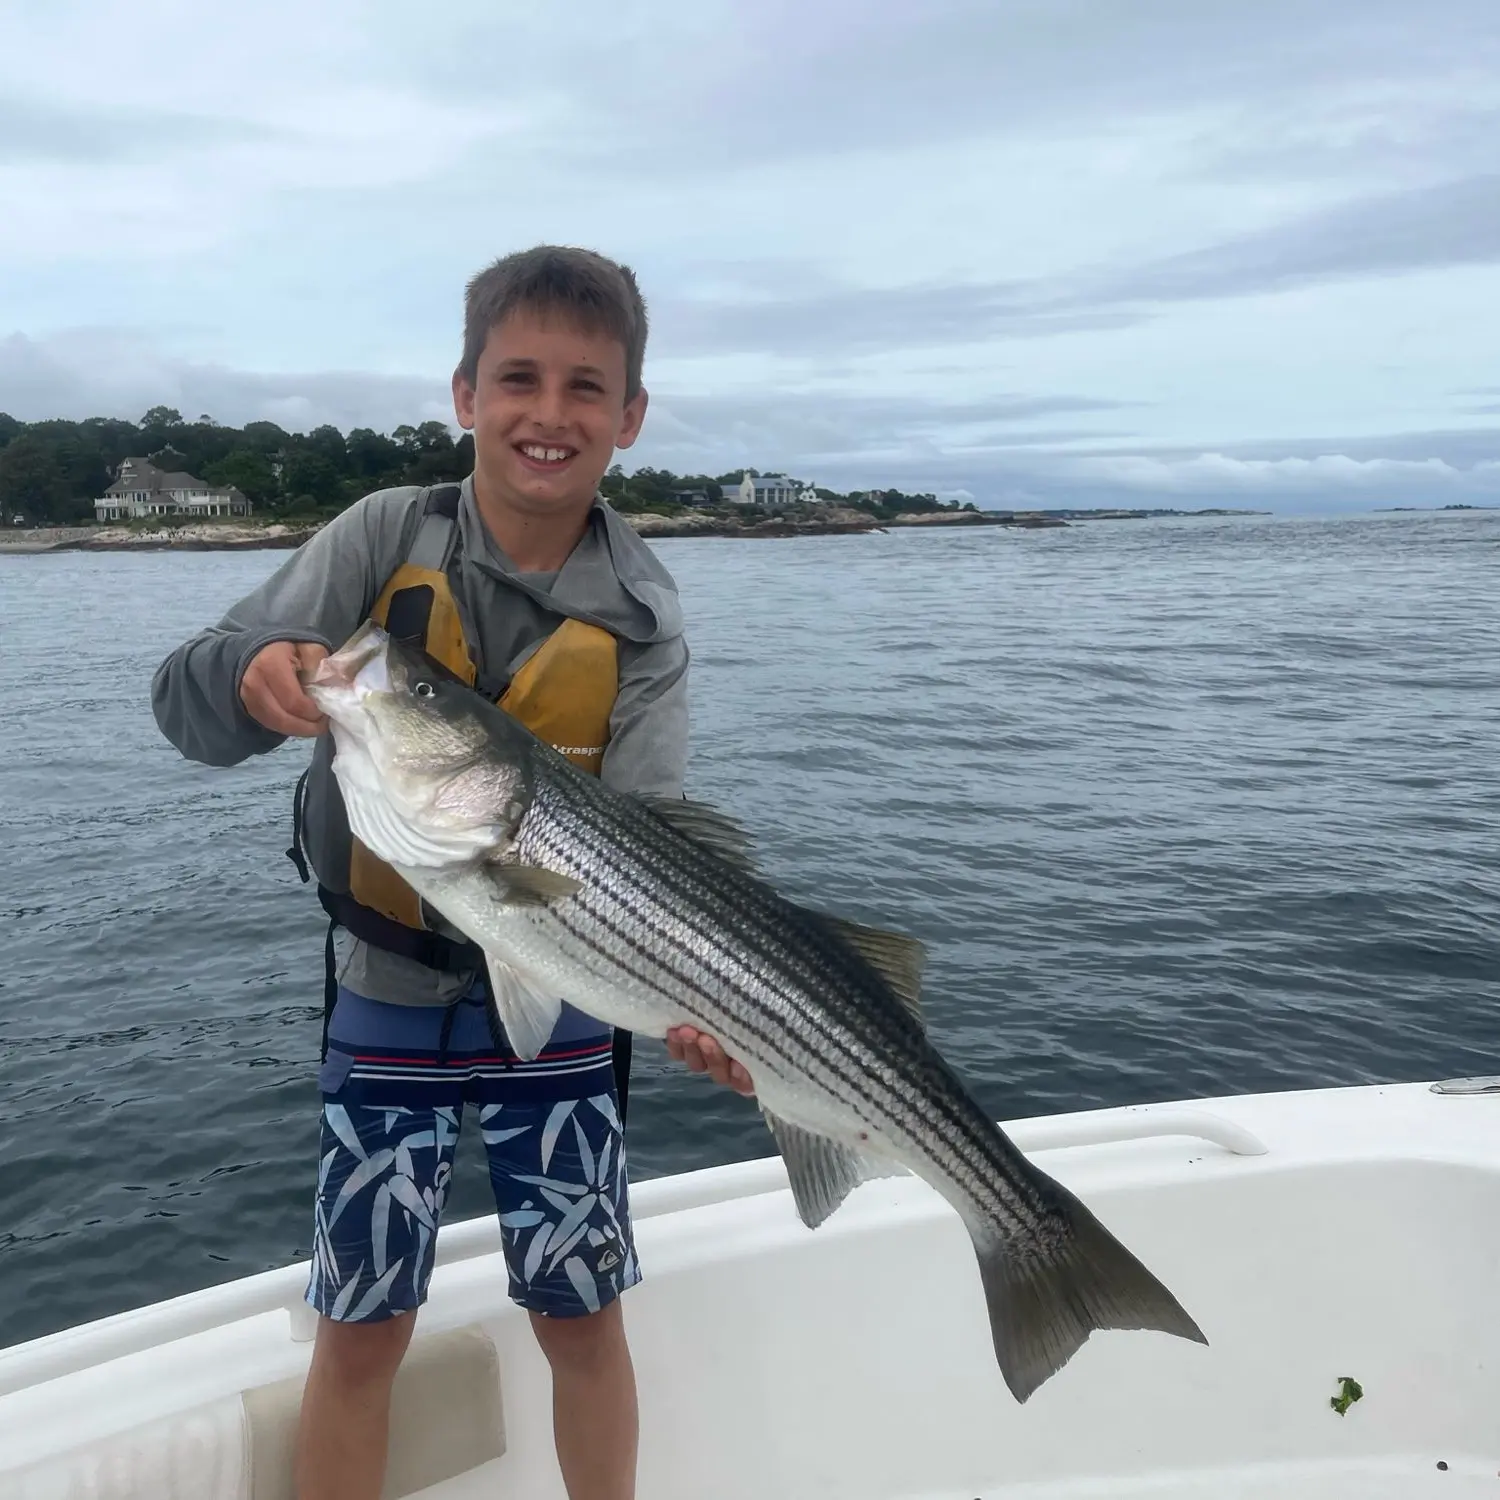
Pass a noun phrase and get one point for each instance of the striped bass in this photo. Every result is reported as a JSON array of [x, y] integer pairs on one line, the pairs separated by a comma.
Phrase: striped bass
[[649, 914]]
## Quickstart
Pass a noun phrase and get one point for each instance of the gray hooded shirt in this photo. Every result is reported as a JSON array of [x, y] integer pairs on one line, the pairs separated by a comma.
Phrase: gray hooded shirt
[[324, 592]]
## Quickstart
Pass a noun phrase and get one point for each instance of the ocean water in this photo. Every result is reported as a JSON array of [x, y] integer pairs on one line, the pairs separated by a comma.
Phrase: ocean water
[[1181, 807]]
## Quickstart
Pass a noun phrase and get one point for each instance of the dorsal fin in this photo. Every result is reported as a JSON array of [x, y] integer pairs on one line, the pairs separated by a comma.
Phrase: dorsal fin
[[895, 956], [708, 826]]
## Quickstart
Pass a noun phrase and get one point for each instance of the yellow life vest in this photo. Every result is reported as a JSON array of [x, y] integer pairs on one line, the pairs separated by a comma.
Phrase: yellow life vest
[[564, 692]]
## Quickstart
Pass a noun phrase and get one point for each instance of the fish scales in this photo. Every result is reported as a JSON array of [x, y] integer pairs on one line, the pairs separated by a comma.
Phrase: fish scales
[[651, 891]]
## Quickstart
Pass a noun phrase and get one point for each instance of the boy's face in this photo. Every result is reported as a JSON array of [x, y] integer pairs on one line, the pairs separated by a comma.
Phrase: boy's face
[[548, 410]]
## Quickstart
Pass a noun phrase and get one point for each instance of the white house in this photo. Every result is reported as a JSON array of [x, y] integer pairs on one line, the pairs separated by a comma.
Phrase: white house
[[765, 490], [141, 489]]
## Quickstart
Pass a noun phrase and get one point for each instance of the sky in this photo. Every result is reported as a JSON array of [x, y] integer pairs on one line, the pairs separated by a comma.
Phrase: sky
[[1033, 252]]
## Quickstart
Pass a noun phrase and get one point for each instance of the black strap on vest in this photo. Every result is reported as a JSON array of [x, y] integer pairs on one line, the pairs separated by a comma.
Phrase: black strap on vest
[[409, 611], [442, 500], [406, 618]]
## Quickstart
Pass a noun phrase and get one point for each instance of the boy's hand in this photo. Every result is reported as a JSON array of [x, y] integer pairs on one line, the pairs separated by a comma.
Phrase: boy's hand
[[702, 1054], [273, 696]]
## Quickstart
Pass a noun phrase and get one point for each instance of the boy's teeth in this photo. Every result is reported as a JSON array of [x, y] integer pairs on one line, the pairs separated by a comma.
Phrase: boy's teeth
[[544, 455]]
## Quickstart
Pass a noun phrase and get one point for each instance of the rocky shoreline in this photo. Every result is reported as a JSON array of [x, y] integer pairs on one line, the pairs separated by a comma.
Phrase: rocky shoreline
[[234, 537], [833, 522], [197, 538]]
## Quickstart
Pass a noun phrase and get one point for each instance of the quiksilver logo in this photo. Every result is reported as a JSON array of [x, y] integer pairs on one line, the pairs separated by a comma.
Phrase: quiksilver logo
[[611, 1252]]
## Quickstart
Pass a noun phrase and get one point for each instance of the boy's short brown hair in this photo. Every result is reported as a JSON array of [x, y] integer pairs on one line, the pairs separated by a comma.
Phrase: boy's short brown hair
[[600, 295]]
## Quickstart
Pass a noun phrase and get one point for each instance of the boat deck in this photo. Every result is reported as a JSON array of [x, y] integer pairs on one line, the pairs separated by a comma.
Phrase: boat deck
[[1313, 1236]]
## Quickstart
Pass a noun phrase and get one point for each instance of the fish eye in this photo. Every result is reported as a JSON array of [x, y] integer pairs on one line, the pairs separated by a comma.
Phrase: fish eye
[[424, 689]]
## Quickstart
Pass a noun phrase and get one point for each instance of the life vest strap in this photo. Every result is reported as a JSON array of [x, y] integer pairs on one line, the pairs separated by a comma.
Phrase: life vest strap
[[430, 949]]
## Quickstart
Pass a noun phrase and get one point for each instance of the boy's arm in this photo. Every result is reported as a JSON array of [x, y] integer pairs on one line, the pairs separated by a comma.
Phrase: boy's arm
[[319, 595], [648, 728]]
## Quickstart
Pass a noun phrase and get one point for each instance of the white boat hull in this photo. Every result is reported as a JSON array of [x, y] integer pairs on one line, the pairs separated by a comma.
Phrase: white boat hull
[[1317, 1235]]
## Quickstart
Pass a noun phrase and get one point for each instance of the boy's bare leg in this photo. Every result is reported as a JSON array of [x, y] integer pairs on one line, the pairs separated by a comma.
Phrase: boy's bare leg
[[346, 1407], [594, 1418]]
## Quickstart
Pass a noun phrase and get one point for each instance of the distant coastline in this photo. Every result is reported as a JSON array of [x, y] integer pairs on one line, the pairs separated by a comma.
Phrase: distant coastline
[[1392, 510], [244, 536]]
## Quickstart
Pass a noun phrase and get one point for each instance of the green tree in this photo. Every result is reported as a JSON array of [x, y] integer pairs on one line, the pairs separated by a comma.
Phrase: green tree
[[374, 459], [309, 480], [264, 437], [250, 472], [328, 442], [32, 481]]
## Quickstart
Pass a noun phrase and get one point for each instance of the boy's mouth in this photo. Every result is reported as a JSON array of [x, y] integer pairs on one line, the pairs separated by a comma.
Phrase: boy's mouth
[[545, 458]]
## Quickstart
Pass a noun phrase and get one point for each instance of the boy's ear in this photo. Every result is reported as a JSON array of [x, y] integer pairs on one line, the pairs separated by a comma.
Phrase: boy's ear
[[463, 400], [635, 415]]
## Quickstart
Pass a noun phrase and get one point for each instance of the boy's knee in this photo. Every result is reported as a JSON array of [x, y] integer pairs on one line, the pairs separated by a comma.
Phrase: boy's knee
[[584, 1343], [363, 1354]]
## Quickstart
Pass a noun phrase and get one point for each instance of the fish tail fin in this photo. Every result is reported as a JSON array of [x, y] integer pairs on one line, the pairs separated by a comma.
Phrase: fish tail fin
[[1045, 1302]]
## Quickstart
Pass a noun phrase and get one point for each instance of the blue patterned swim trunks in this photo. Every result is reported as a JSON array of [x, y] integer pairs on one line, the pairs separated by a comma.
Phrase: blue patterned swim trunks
[[395, 1088]]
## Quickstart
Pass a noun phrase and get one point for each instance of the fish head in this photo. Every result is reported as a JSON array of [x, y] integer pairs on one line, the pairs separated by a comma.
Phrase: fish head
[[419, 762]]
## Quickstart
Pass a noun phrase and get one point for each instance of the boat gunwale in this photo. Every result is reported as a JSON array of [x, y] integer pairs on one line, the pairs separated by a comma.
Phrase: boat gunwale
[[70, 1351]]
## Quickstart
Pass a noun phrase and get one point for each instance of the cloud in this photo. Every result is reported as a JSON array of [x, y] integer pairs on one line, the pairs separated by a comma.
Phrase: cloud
[[114, 373], [998, 458], [853, 320], [1374, 133], [962, 245], [39, 131], [1329, 474], [1457, 448], [710, 85], [1447, 224]]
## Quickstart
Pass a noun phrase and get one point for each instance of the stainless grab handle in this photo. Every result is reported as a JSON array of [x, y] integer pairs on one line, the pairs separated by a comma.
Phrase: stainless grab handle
[[1062, 1133]]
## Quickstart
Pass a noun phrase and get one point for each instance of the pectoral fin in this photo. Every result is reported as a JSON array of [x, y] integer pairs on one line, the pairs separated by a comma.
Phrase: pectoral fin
[[530, 885], [528, 1015]]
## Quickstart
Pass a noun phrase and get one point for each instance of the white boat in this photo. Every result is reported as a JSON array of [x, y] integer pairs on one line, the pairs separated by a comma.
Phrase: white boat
[[1316, 1236]]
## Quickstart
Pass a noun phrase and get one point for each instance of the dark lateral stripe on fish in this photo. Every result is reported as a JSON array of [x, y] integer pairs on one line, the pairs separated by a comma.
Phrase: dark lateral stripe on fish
[[661, 940], [627, 875], [608, 853], [625, 879]]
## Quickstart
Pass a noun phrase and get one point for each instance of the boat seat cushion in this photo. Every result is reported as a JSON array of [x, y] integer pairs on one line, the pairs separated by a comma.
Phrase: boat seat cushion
[[446, 1418]]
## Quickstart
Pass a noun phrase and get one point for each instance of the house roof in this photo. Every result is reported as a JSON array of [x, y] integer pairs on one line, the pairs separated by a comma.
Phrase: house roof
[[146, 476]]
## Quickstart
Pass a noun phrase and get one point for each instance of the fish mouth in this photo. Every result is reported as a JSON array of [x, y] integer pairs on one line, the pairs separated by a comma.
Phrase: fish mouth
[[357, 668]]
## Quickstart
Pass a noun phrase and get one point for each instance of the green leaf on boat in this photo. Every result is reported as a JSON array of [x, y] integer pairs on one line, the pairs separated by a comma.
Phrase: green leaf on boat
[[1350, 1390]]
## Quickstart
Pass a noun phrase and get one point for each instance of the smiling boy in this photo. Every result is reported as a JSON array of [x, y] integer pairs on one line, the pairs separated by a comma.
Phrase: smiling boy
[[525, 579]]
